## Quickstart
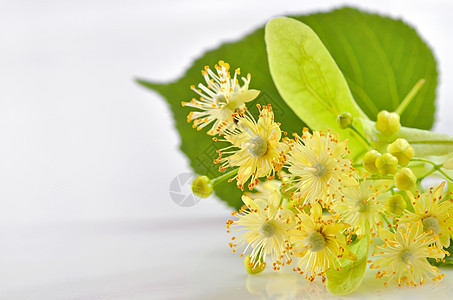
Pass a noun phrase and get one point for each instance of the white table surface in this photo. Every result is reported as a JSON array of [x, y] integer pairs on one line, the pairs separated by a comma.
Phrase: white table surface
[[87, 156], [174, 259]]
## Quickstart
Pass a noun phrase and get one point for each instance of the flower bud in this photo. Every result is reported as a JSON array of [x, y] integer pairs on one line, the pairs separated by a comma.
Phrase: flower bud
[[369, 161], [345, 120], [405, 179], [202, 187], [402, 150], [250, 268], [448, 164], [395, 205], [386, 164], [388, 123]]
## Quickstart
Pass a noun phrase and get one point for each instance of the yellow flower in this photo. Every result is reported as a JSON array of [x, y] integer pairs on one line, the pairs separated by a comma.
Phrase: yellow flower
[[361, 207], [219, 99], [435, 214], [255, 147], [318, 241], [264, 189], [403, 255], [319, 168], [264, 226]]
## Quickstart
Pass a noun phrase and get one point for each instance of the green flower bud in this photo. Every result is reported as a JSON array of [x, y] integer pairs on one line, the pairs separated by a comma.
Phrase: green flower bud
[[402, 150], [388, 123], [405, 179], [248, 264], [202, 187], [369, 161], [345, 120], [386, 164], [395, 205]]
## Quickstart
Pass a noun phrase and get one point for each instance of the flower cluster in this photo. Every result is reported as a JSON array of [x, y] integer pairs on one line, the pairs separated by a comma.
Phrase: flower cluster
[[308, 203]]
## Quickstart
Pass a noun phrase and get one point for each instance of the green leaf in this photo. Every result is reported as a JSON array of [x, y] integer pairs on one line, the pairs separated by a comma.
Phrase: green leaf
[[425, 143], [308, 79], [348, 279], [342, 32], [250, 55], [382, 59]]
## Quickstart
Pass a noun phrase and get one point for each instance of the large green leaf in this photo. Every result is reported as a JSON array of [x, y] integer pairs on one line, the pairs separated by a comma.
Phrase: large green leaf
[[308, 79], [348, 279], [382, 59], [351, 37], [250, 55]]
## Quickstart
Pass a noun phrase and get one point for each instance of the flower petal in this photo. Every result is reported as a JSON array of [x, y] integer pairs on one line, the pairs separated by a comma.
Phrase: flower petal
[[316, 210]]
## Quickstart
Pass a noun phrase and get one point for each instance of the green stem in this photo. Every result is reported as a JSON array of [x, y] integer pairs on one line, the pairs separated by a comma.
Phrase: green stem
[[423, 160], [359, 134], [445, 174], [426, 175], [416, 165], [222, 177], [436, 167], [391, 189], [410, 97], [376, 177]]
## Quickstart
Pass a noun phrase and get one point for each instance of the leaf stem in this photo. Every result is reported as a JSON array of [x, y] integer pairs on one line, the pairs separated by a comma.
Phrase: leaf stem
[[222, 177], [352, 126], [436, 167], [427, 174], [410, 96], [445, 174], [391, 189], [423, 160]]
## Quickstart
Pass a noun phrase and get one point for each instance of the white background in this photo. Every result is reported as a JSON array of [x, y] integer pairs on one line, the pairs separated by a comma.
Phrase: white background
[[86, 155]]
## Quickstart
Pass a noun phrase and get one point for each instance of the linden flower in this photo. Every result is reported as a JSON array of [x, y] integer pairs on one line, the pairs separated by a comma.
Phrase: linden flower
[[256, 148], [361, 207], [264, 226], [403, 255], [318, 241], [435, 214], [220, 98], [317, 162]]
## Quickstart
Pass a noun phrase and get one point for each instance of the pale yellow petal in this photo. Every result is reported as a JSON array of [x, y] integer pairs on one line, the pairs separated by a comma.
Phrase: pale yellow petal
[[336, 228], [274, 198], [417, 229], [445, 240], [438, 191], [349, 255], [243, 97], [244, 173], [385, 234], [316, 210], [340, 148], [348, 180], [300, 253], [249, 202], [448, 164], [382, 185]]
